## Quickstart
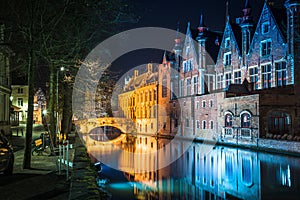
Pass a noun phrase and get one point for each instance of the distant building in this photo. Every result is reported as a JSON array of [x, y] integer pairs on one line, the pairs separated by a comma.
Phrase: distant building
[[19, 96], [5, 82], [138, 101]]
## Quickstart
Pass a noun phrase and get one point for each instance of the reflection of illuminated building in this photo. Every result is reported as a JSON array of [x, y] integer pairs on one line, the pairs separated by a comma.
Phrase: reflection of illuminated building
[[208, 172]]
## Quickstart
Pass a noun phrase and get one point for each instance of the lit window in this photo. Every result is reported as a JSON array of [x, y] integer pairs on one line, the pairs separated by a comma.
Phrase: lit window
[[280, 73], [227, 59], [203, 124], [245, 120], [220, 81], [238, 77], [195, 85], [227, 79], [253, 73], [227, 42], [197, 105], [181, 88], [20, 101], [20, 90], [203, 104], [211, 103], [211, 124], [184, 66], [266, 76], [188, 86], [228, 120], [265, 47], [198, 124]]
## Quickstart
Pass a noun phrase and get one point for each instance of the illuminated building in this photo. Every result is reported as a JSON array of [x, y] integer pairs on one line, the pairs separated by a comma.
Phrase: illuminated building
[[139, 101], [242, 84]]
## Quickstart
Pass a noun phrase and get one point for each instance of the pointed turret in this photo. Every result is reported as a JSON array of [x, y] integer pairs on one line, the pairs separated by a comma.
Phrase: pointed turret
[[246, 24], [201, 28], [177, 47], [165, 58]]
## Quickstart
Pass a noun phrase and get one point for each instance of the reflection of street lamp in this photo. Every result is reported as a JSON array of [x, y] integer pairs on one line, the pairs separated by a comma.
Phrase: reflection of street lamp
[[57, 73]]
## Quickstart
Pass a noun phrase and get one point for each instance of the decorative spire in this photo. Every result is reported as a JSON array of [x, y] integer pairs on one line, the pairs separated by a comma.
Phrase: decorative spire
[[227, 11], [165, 58], [247, 9], [177, 39], [201, 26]]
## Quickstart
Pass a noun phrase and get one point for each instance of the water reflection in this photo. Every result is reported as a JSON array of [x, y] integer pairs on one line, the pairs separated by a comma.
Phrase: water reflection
[[208, 172]]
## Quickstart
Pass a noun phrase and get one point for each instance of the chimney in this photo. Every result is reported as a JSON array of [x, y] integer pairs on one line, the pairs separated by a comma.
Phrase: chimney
[[136, 73], [149, 68]]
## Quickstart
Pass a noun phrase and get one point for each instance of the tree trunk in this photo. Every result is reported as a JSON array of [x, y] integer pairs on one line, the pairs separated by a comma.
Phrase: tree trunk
[[52, 103], [29, 125], [67, 110]]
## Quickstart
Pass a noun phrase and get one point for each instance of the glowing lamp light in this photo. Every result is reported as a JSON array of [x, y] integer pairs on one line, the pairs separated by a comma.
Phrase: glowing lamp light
[[44, 112]]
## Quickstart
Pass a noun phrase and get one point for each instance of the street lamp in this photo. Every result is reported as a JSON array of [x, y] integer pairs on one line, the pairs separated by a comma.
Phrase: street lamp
[[57, 74]]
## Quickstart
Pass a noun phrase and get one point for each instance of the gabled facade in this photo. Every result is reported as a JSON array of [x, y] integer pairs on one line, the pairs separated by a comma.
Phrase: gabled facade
[[228, 65], [254, 74], [267, 62]]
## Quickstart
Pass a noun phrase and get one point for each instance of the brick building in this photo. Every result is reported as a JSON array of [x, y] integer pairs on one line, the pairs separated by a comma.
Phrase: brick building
[[241, 84]]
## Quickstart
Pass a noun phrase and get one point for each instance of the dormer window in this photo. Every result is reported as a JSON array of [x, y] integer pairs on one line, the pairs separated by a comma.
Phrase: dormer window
[[227, 59], [227, 42], [265, 27]]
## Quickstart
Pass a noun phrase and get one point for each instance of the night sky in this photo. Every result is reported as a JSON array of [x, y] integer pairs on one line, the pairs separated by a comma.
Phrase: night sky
[[168, 13]]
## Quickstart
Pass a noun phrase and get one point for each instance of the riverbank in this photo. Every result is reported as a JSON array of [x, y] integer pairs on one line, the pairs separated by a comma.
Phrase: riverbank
[[83, 181], [266, 145]]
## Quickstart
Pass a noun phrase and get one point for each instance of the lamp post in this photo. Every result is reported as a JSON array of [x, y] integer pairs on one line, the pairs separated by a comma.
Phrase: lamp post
[[57, 123]]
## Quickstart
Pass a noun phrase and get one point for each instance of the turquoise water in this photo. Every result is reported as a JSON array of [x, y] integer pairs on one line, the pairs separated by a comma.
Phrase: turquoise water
[[211, 172]]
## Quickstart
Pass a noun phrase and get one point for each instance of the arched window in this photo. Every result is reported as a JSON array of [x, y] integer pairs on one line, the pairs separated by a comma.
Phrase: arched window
[[245, 120], [211, 124], [203, 124], [228, 120]]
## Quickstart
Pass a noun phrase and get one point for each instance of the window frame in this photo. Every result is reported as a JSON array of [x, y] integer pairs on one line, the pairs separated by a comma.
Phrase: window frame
[[263, 25], [268, 48], [227, 60]]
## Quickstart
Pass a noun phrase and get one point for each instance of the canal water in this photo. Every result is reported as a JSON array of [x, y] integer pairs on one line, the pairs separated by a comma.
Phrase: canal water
[[205, 171]]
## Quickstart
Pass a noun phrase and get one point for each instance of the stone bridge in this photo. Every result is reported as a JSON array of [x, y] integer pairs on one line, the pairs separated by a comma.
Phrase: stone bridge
[[125, 125]]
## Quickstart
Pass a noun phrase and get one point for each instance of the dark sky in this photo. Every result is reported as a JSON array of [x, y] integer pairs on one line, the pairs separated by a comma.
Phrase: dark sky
[[167, 14]]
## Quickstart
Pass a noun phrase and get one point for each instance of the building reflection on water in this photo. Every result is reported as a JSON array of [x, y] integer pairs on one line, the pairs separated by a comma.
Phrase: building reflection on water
[[204, 171]]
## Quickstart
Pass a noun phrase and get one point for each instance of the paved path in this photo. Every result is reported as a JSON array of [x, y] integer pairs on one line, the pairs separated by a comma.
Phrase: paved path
[[42, 181]]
